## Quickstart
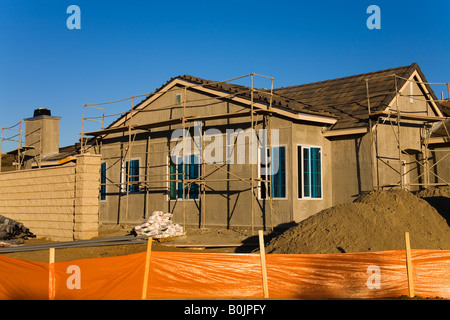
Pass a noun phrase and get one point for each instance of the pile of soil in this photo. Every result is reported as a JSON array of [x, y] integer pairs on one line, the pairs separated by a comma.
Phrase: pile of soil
[[375, 221], [439, 198]]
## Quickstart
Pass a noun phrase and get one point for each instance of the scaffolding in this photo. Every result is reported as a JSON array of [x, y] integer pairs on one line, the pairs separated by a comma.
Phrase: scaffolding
[[396, 118], [255, 116], [15, 134], [393, 116]]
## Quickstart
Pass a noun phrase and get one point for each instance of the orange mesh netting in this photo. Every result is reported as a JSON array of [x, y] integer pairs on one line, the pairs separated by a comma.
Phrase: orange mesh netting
[[174, 275]]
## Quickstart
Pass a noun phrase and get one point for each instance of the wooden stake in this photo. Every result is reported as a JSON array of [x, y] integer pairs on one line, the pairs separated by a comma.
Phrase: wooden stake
[[51, 274], [147, 268], [250, 156], [263, 264], [409, 266]]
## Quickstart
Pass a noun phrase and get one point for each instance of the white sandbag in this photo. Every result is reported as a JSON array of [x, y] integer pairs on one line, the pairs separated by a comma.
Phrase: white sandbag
[[159, 225]]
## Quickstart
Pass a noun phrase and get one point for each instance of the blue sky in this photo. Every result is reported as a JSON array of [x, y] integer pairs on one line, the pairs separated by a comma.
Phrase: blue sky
[[126, 48]]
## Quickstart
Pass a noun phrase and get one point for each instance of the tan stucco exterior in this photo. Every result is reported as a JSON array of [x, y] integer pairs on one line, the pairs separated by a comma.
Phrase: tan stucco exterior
[[42, 134], [371, 160], [227, 203], [353, 163]]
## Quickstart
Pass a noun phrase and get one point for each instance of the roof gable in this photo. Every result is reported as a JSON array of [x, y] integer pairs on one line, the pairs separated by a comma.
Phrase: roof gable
[[347, 97]]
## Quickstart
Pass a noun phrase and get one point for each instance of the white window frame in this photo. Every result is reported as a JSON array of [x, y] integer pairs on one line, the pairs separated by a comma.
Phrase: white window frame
[[300, 174], [168, 178]]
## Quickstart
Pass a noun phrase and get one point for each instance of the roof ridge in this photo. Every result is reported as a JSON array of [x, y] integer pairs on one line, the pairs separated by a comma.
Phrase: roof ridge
[[259, 94]]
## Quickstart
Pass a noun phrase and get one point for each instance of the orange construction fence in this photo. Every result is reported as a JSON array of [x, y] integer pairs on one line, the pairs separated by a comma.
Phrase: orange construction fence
[[181, 275]]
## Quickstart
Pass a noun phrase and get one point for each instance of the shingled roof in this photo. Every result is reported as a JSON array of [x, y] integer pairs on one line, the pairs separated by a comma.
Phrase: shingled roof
[[343, 98], [259, 95], [346, 97]]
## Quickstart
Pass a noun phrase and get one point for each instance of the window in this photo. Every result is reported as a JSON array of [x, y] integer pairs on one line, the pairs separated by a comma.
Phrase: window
[[309, 165], [191, 171], [411, 92], [179, 98], [103, 181], [274, 170], [133, 176]]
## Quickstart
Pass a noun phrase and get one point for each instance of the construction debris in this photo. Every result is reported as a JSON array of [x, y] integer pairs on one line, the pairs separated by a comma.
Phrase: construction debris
[[12, 232], [11, 229], [11, 243], [158, 225]]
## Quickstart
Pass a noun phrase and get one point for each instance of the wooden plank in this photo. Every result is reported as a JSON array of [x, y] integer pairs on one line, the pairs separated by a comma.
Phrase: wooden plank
[[263, 264], [51, 274], [393, 114], [147, 268], [200, 245], [409, 266], [343, 132], [164, 123]]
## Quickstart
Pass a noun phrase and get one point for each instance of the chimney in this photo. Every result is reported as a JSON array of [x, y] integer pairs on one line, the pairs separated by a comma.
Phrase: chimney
[[42, 133]]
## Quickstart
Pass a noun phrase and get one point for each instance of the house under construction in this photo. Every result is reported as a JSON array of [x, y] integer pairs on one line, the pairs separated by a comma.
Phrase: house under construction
[[215, 153]]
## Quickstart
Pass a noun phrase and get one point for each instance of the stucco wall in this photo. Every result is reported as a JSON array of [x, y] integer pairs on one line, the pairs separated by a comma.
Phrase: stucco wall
[[441, 157], [228, 203], [42, 133], [56, 203], [351, 167], [309, 135]]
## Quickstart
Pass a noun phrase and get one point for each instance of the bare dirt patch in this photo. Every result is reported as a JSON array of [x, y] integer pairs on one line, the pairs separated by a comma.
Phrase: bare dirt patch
[[196, 240]]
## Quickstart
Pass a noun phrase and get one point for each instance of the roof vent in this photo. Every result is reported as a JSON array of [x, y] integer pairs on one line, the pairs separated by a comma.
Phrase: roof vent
[[42, 112]]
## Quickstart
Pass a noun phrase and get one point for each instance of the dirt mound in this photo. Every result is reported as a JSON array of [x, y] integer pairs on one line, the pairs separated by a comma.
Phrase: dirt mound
[[439, 198], [375, 221]]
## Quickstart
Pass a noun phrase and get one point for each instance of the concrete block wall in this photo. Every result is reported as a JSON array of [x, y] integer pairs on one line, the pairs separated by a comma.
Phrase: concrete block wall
[[55, 203], [86, 207]]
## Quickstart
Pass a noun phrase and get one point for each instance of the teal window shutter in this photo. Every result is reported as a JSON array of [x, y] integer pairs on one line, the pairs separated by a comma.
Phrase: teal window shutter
[[103, 181], [193, 174], [316, 170], [306, 173], [191, 170], [180, 183], [279, 177], [172, 184], [133, 176]]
